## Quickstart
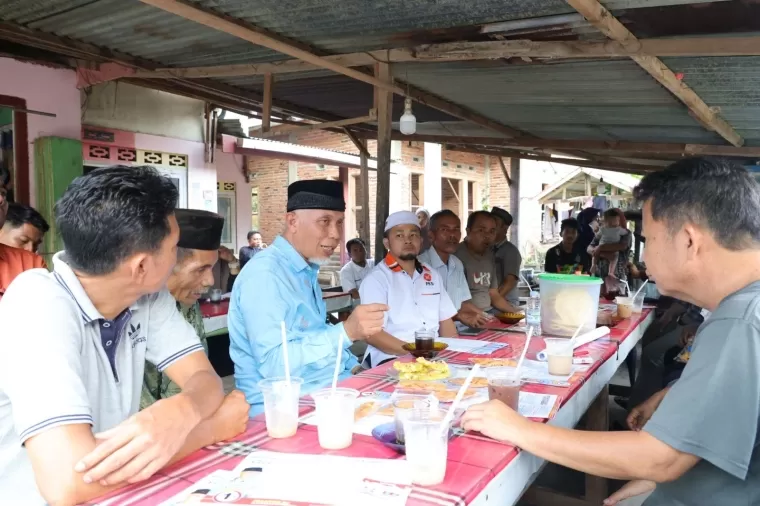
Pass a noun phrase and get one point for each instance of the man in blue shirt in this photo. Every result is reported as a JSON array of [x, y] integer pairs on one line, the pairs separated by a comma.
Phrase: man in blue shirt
[[281, 286]]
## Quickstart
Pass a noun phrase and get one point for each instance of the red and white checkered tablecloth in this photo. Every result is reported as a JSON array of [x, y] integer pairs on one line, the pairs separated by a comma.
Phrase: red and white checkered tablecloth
[[474, 461]]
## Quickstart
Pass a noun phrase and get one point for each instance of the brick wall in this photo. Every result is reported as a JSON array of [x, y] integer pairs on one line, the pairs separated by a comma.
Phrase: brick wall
[[271, 177]]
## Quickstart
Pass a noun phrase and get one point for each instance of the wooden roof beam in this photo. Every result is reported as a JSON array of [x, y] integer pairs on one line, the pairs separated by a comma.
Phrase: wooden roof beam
[[489, 50], [230, 27], [613, 147], [630, 168], [291, 129], [601, 18]]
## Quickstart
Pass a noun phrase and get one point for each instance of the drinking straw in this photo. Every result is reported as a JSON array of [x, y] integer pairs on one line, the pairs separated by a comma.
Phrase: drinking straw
[[454, 405], [285, 352], [524, 352], [640, 288], [575, 336], [337, 370]]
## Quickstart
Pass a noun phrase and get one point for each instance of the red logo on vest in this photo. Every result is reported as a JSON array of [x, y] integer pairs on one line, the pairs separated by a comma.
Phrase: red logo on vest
[[427, 276]]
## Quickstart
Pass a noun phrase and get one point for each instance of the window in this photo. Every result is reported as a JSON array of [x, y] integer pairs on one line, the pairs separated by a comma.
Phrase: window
[[416, 191], [255, 208], [177, 176], [225, 207]]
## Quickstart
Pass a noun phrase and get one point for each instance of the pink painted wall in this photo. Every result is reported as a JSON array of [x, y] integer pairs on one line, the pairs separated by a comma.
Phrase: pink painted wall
[[48, 90], [229, 168], [201, 176]]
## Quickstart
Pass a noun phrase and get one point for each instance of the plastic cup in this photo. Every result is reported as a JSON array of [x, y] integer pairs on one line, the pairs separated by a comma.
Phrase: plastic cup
[[404, 405], [638, 302], [335, 417], [281, 405], [504, 385], [624, 307], [426, 446], [559, 354]]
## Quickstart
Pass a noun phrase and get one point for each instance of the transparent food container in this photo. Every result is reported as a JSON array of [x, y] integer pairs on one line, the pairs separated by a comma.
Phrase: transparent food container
[[568, 301]]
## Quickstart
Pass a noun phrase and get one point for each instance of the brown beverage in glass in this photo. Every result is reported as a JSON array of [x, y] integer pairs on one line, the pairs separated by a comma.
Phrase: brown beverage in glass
[[506, 390], [424, 340]]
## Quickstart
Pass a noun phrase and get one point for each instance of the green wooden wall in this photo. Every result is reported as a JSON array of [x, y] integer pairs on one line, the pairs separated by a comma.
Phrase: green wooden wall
[[57, 162]]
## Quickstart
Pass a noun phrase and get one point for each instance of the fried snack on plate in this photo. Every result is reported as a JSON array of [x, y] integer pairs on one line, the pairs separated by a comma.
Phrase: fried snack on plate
[[449, 395], [476, 382], [494, 362], [422, 370], [421, 386], [365, 409]]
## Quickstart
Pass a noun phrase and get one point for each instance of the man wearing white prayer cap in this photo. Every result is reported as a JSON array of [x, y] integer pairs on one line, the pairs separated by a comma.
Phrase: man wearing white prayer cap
[[414, 292]]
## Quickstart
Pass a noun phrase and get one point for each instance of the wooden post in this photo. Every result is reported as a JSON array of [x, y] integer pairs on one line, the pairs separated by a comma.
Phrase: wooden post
[[364, 178], [514, 201], [384, 106], [343, 178], [266, 119]]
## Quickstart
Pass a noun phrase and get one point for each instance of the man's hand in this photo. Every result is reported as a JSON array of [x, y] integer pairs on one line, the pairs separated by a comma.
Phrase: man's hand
[[227, 255], [141, 445], [630, 489], [641, 414], [365, 320], [231, 419], [474, 320], [493, 419]]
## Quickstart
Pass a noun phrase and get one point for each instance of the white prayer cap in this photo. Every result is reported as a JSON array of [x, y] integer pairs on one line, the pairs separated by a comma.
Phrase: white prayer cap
[[401, 218]]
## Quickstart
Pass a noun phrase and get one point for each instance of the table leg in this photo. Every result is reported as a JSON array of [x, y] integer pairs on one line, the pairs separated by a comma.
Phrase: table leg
[[597, 419]]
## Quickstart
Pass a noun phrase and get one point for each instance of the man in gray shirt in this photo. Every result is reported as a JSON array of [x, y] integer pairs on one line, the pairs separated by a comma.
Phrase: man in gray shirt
[[70, 429], [479, 264], [701, 219], [507, 256]]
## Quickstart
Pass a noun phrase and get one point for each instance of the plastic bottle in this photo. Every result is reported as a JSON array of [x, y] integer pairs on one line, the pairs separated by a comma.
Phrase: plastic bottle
[[533, 310]]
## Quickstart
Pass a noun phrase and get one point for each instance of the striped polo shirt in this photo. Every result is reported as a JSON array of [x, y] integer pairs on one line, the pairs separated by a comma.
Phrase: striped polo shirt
[[63, 363]]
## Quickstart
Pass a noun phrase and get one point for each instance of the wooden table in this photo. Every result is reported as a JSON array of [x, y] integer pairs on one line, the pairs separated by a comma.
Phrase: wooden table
[[480, 471]]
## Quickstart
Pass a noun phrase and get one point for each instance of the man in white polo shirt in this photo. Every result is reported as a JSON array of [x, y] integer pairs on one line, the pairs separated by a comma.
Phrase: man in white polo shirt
[[445, 231], [70, 429], [414, 292]]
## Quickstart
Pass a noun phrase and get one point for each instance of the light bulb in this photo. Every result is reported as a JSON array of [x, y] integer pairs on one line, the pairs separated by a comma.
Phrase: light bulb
[[408, 123], [601, 189]]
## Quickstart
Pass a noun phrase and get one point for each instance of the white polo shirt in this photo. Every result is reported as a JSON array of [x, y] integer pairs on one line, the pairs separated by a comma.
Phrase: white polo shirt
[[452, 274], [63, 363], [352, 274], [416, 302]]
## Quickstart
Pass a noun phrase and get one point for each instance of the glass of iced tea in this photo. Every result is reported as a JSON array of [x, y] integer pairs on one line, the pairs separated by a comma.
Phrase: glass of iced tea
[[504, 385], [424, 340]]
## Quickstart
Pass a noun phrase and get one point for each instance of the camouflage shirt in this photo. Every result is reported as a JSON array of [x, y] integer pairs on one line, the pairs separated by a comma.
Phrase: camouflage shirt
[[155, 384]]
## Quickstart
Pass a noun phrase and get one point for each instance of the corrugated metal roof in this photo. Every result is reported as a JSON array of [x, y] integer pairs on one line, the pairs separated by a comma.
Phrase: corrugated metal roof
[[584, 100], [336, 26]]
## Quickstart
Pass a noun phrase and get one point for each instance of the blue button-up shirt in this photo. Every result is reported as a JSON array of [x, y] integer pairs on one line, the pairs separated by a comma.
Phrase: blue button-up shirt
[[279, 285]]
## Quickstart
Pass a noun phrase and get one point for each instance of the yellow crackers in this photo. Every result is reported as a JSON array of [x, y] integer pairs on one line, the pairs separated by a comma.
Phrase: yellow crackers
[[422, 370]]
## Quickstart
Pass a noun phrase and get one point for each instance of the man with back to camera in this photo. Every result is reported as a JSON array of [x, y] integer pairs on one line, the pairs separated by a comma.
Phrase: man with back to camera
[[13, 261], [414, 293], [445, 232], [480, 266], [75, 432], [701, 220], [281, 287], [507, 256], [24, 228]]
